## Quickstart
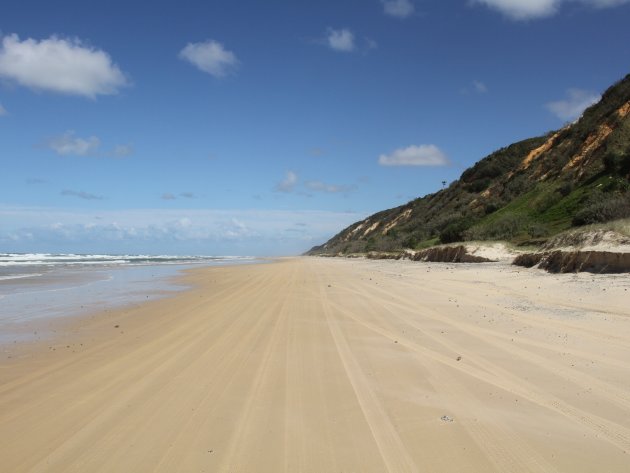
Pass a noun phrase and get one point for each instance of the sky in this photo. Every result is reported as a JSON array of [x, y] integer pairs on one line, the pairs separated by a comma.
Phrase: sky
[[263, 128]]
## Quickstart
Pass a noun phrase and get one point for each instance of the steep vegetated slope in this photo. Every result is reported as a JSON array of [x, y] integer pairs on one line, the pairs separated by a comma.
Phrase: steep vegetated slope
[[523, 193]]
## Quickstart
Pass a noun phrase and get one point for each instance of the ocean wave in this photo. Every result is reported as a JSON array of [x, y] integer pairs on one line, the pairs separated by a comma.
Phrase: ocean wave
[[71, 259], [19, 276]]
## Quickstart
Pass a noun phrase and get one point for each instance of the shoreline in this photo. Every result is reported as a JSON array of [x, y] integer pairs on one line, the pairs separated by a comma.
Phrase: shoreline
[[319, 364], [44, 292], [64, 330]]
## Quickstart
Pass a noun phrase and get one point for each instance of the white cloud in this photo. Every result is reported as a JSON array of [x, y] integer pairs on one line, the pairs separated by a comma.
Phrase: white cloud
[[81, 195], [340, 40], [183, 231], [183, 195], [530, 9], [421, 155], [398, 8], [3, 111], [370, 45], [211, 57], [69, 145], [59, 65], [480, 87], [523, 9], [121, 151], [320, 186], [576, 102], [288, 183]]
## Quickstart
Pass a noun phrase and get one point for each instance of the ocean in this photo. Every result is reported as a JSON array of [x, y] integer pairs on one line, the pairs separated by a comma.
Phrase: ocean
[[41, 285]]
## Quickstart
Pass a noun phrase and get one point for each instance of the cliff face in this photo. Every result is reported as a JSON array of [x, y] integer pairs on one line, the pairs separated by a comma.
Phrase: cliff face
[[577, 261], [525, 192]]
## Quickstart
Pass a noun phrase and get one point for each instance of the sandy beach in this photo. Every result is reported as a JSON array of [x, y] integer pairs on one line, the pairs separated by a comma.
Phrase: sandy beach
[[332, 365]]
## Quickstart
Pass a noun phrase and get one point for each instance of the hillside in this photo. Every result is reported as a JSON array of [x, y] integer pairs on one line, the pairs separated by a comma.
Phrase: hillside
[[524, 193]]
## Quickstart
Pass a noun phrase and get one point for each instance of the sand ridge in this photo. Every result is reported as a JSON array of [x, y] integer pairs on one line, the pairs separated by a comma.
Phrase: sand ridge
[[319, 364]]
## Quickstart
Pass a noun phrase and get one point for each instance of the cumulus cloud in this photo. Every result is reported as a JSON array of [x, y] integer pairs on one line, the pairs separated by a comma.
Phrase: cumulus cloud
[[340, 40], [398, 8], [60, 65], [414, 155], [530, 9], [288, 183], [81, 195], [70, 145], [574, 105], [319, 186], [211, 57]]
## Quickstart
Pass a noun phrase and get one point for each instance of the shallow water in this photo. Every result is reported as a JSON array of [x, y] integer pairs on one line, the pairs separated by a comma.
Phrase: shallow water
[[32, 292]]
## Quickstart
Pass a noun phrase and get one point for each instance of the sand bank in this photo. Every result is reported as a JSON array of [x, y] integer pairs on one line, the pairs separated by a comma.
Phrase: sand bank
[[332, 365]]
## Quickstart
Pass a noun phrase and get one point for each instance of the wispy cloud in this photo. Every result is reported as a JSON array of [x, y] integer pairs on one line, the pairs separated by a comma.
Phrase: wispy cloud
[[398, 8], [319, 186], [183, 195], [70, 145], [531, 9], [414, 155], [81, 195], [574, 105], [340, 40], [370, 44], [60, 65], [480, 87], [211, 57], [225, 231], [475, 87], [35, 180], [288, 183], [3, 111], [121, 151]]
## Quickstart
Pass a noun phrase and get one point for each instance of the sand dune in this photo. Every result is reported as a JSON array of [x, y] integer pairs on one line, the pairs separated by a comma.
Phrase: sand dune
[[332, 365]]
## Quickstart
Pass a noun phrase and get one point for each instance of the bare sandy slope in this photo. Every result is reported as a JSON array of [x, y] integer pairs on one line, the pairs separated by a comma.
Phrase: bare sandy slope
[[330, 365]]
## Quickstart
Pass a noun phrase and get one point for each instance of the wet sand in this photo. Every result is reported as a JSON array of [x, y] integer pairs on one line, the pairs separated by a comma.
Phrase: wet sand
[[331, 365]]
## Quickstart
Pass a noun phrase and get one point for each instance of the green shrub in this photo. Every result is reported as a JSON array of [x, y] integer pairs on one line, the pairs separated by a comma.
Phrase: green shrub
[[537, 230], [410, 242], [617, 164], [565, 189], [546, 201], [503, 228], [603, 210], [454, 231], [491, 207], [371, 244]]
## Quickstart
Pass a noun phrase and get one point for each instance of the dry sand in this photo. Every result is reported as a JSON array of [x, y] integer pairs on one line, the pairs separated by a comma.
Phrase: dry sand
[[332, 365]]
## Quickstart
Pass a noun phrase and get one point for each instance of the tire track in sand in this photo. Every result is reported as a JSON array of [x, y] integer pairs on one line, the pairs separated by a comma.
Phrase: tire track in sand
[[390, 445]]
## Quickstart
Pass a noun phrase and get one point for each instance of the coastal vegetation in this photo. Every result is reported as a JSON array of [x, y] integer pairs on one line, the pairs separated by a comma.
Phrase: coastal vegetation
[[525, 193]]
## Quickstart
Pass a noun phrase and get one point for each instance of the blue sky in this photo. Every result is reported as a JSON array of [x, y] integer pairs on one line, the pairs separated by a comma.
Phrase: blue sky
[[243, 127]]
